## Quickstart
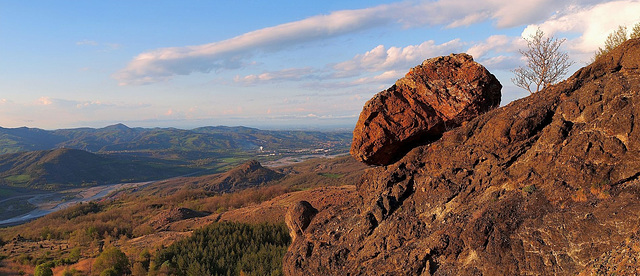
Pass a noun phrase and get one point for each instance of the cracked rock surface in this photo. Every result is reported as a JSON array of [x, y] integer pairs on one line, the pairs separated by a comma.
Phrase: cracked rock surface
[[546, 185]]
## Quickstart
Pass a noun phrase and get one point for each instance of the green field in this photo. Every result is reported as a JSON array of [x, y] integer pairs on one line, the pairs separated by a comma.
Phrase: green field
[[19, 179]]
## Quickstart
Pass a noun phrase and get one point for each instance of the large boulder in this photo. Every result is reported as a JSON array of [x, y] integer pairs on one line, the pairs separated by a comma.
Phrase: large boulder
[[433, 97]]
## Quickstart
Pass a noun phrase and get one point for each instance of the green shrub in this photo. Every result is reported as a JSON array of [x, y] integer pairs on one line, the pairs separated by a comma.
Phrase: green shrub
[[112, 259], [70, 272], [110, 272], [43, 270]]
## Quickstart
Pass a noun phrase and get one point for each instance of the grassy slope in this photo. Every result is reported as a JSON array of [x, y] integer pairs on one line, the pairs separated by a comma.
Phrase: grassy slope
[[69, 167]]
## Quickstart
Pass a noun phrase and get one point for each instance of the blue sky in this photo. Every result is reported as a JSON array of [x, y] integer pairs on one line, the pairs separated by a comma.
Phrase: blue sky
[[266, 64]]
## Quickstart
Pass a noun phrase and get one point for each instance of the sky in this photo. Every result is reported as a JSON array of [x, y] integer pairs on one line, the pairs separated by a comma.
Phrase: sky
[[266, 64]]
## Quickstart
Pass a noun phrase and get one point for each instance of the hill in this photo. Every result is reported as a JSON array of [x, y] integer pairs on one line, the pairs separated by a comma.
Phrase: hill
[[58, 168], [546, 185], [171, 143], [250, 174]]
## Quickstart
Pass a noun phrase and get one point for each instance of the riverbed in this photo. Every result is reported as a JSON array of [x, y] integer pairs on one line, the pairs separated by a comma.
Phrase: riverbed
[[46, 203]]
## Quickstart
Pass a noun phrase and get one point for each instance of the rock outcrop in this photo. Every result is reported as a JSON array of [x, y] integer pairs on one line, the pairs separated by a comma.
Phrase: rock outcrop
[[247, 175], [298, 218], [546, 185], [438, 95]]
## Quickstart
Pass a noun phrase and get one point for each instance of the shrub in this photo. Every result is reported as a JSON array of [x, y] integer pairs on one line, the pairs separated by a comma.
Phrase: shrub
[[43, 270], [616, 38], [70, 272], [109, 272], [112, 259], [529, 189]]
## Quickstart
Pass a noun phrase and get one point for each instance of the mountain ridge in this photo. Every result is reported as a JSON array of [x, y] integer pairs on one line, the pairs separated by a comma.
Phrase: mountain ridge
[[120, 137]]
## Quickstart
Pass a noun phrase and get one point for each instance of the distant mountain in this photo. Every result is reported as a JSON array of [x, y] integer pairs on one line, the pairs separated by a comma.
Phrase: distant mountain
[[27, 139], [120, 138], [272, 139], [50, 169]]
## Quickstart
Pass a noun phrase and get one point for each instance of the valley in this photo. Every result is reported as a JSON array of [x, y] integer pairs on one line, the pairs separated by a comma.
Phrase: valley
[[26, 207], [67, 195], [149, 216]]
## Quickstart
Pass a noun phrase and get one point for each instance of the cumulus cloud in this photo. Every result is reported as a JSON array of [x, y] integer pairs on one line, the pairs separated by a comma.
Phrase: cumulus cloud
[[592, 23], [390, 61], [162, 64], [495, 43], [386, 77], [382, 58]]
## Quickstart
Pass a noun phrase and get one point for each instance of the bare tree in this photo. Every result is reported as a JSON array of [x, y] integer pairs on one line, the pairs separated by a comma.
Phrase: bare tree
[[546, 64]]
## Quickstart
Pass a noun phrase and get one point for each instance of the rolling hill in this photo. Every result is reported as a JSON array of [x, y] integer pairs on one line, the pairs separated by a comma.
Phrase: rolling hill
[[50, 169], [122, 139]]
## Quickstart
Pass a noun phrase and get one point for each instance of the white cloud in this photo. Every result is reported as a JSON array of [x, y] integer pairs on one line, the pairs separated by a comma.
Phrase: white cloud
[[395, 58], [592, 23], [162, 64], [44, 101], [501, 43], [505, 14], [387, 77], [390, 63]]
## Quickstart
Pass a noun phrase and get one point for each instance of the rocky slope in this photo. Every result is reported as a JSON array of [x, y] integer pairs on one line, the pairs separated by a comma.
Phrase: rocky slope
[[547, 185]]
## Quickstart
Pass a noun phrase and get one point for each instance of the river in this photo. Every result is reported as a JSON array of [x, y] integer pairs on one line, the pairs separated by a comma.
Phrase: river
[[47, 203]]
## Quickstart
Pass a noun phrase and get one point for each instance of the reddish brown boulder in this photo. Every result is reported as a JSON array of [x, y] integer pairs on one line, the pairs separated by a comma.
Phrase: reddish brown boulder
[[440, 94]]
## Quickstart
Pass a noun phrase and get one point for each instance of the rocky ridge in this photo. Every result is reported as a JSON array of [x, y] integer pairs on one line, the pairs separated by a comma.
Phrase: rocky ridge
[[547, 185]]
